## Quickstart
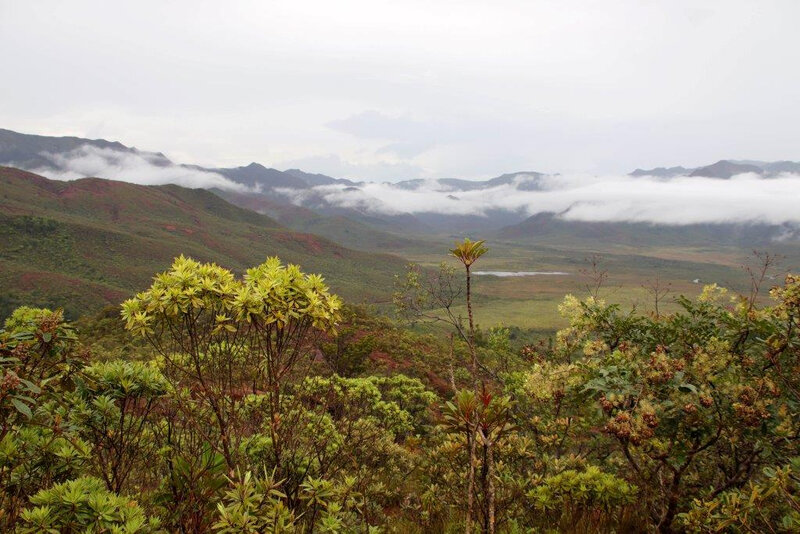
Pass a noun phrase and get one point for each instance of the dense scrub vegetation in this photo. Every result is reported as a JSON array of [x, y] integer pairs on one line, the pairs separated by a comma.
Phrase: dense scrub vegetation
[[263, 404]]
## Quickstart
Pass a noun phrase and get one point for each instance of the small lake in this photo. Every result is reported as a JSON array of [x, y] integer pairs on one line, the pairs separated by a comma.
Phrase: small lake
[[504, 274]]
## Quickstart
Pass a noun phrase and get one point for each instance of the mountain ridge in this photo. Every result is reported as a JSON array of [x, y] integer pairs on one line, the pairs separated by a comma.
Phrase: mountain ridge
[[724, 168], [326, 205]]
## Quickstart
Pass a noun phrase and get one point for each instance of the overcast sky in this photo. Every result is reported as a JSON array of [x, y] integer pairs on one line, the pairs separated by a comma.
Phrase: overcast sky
[[403, 89]]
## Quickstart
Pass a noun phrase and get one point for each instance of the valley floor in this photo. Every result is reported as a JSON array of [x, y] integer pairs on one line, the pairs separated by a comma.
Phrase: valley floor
[[630, 276]]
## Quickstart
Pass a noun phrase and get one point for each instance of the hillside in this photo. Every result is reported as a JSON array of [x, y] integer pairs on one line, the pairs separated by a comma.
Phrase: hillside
[[91, 242]]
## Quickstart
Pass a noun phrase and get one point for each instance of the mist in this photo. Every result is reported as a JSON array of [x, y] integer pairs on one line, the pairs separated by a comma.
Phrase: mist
[[135, 167], [746, 198]]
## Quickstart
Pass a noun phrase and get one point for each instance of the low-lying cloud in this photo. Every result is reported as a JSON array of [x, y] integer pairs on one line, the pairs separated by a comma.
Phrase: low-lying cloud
[[746, 198], [135, 167]]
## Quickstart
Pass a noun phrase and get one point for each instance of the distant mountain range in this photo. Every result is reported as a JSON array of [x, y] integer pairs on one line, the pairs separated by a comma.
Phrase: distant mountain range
[[725, 169], [368, 216], [43, 153], [268, 187]]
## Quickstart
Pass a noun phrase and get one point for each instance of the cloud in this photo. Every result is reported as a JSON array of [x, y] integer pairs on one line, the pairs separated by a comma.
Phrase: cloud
[[135, 167], [746, 198], [678, 201]]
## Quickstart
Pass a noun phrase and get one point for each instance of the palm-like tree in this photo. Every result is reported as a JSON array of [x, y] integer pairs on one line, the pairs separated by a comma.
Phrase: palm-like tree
[[468, 253]]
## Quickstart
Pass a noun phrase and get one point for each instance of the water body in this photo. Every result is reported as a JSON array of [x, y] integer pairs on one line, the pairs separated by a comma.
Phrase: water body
[[504, 274]]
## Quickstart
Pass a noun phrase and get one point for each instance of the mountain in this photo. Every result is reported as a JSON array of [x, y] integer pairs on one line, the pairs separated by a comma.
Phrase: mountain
[[663, 172], [777, 167], [58, 155], [261, 178], [92, 242], [527, 181], [771, 167], [360, 215], [30, 151], [550, 228], [725, 169]]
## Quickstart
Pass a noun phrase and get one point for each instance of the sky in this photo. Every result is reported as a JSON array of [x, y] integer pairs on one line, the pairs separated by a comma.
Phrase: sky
[[391, 90]]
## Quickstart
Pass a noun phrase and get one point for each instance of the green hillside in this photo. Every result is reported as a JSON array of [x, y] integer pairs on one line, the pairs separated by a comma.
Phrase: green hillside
[[92, 242]]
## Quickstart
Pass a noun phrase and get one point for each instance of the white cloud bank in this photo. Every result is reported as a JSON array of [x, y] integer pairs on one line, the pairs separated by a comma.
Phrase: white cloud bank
[[677, 201], [138, 168], [747, 198]]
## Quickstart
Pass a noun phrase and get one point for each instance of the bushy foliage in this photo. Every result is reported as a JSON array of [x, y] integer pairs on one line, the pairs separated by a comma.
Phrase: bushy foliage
[[770, 504], [237, 419], [84, 505], [37, 445], [692, 404]]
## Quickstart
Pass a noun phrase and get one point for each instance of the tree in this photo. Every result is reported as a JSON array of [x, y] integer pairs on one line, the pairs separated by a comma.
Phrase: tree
[[222, 338], [468, 253], [434, 297]]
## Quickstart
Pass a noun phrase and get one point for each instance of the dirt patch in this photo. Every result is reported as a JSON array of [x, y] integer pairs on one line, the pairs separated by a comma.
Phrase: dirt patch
[[307, 241], [93, 186], [112, 296], [441, 385], [384, 359], [38, 280]]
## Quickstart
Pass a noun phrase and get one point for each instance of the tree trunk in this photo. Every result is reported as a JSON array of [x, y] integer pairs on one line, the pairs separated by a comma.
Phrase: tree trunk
[[665, 525], [473, 353], [485, 482], [452, 373], [490, 490], [470, 479]]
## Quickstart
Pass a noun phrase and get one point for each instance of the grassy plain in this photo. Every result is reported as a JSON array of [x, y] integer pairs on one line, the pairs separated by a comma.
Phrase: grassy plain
[[531, 302]]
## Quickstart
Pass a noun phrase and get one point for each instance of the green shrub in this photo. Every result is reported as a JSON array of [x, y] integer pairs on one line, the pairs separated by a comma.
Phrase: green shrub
[[84, 505]]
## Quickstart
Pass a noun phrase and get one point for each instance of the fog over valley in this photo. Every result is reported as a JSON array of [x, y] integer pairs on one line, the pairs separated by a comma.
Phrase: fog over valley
[[676, 201], [725, 192]]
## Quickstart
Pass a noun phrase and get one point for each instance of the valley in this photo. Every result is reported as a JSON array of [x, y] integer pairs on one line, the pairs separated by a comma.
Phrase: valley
[[531, 302], [91, 242], [399, 267]]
